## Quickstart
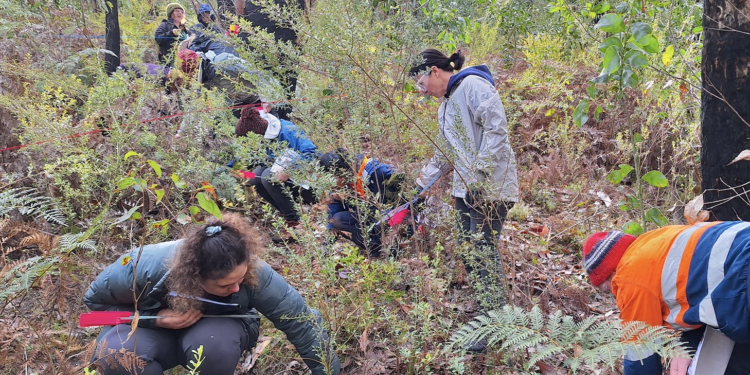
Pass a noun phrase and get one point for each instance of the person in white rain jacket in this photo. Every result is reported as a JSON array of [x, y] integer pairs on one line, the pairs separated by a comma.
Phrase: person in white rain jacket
[[473, 142]]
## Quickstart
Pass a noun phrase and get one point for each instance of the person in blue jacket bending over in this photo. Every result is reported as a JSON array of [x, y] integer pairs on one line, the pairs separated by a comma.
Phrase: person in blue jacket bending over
[[272, 182], [365, 189]]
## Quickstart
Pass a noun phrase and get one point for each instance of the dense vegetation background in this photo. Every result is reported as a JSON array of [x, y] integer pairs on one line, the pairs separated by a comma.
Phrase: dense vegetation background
[[603, 109]]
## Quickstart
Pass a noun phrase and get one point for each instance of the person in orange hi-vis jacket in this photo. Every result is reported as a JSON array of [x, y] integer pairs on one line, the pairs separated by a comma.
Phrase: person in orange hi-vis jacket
[[693, 279]]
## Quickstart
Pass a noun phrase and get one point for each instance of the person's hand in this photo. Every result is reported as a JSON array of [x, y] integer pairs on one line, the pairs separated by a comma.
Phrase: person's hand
[[679, 366], [177, 320], [474, 196], [336, 197], [281, 176], [421, 192], [176, 32]]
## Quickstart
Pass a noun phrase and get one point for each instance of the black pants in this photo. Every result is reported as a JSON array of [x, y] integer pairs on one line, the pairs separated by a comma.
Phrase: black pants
[[223, 341], [281, 195], [483, 262], [349, 221], [739, 361]]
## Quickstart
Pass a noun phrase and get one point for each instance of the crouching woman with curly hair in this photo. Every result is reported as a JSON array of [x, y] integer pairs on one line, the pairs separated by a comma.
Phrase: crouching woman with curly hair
[[215, 270]]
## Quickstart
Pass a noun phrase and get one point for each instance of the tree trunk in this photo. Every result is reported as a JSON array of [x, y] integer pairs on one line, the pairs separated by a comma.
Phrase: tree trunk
[[112, 24], [725, 108]]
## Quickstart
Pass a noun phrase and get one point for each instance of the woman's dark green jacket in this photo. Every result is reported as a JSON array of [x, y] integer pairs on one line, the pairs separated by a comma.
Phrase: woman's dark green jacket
[[273, 297]]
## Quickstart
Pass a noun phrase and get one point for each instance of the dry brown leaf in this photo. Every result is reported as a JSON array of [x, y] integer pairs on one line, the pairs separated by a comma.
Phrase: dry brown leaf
[[693, 209], [547, 369], [744, 155], [363, 341], [404, 306], [263, 342]]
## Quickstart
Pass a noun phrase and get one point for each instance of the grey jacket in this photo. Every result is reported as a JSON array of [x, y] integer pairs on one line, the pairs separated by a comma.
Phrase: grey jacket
[[474, 138], [273, 298]]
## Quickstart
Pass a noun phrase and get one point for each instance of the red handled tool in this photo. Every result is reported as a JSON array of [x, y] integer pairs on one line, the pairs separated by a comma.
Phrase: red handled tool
[[245, 174], [104, 318], [113, 318]]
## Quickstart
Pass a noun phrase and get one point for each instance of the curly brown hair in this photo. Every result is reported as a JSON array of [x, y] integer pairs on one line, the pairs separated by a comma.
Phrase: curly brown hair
[[202, 256]]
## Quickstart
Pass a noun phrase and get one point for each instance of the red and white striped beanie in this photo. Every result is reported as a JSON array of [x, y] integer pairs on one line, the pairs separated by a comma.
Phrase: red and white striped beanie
[[602, 252]]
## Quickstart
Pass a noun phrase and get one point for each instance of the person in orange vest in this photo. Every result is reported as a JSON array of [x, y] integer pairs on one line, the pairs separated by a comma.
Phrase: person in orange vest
[[366, 187], [693, 279]]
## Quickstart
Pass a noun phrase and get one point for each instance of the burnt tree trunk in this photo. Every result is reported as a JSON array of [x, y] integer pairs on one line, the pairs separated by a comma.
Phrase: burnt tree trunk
[[112, 37], [725, 108]]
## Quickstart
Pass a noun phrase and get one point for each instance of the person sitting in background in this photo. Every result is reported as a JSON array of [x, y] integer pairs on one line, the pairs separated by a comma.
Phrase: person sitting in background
[[206, 20], [686, 278], [215, 270], [169, 31], [272, 182], [345, 210], [219, 66]]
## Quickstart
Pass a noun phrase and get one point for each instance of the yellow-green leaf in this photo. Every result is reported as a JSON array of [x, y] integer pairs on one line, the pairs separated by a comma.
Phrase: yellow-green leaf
[[159, 194], [125, 183], [127, 215], [208, 204], [129, 154], [161, 223], [632, 228], [616, 176], [194, 211], [656, 179], [155, 166], [666, 58], [178, 182]]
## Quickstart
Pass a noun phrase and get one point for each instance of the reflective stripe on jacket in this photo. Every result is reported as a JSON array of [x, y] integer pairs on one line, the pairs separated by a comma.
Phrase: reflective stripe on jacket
[[686, 276]]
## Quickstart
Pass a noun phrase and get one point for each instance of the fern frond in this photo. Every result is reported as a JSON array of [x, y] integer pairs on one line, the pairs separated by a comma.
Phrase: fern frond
[[509, 326], [22, 276], [543, 353], [72, 241], [589, 343], [45, 242], [27, 201]]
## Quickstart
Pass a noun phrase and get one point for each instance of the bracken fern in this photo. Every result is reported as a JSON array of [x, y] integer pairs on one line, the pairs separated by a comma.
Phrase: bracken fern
[[21, 276], [28, 202], [592, 341]]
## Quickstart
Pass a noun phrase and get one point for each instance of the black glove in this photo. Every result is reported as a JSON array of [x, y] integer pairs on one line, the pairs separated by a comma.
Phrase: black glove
[[474, 196], [418, 204], [393, 187]]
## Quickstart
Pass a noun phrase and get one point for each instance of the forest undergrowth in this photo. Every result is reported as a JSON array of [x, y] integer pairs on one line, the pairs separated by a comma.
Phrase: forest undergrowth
[[70, 203]]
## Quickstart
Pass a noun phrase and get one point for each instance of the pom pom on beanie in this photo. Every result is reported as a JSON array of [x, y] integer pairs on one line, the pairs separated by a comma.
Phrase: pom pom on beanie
[[250, 121], [602, 253], [190, 61]]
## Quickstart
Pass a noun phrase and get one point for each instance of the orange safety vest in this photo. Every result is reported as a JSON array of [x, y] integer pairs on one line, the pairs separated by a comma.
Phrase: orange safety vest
[[360, 185]]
